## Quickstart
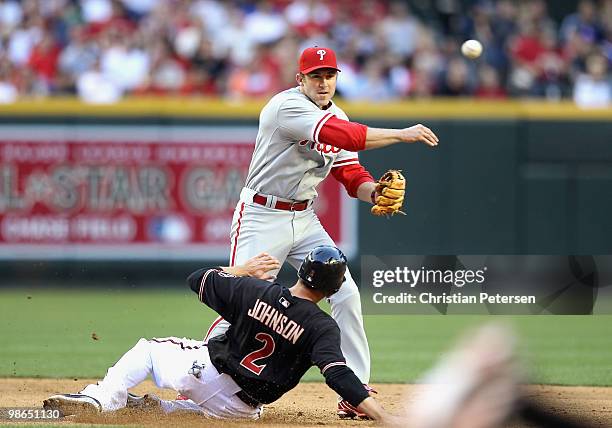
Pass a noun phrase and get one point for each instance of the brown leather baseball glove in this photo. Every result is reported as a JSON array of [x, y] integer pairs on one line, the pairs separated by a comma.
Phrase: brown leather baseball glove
[[390, 191]]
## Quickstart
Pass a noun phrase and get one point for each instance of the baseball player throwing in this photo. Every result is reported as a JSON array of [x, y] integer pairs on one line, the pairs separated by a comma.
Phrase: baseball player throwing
[[302, 137]]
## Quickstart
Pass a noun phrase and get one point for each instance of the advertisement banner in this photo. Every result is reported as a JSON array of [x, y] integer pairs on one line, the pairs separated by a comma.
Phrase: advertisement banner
[[133, 192]]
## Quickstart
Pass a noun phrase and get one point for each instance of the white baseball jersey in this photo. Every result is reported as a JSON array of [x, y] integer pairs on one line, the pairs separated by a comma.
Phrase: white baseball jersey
[[289, 161]]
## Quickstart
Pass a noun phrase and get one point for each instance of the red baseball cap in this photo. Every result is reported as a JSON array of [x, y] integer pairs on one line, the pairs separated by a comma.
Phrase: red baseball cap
[[315, 58]]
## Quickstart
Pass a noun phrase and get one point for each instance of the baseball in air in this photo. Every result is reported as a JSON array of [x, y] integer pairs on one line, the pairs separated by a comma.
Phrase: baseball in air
[[471, 49]]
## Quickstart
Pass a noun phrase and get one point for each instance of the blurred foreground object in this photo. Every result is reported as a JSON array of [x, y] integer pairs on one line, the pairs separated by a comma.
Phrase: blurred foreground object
[[475, 385]]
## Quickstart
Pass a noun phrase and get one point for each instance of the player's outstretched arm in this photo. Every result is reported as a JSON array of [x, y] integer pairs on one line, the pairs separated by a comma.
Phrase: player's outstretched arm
[[259, 266], [381, 137], [355, 136]]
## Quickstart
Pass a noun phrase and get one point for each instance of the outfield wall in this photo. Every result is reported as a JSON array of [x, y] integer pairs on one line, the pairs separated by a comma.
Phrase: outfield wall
[[501, 186], [514, 177]]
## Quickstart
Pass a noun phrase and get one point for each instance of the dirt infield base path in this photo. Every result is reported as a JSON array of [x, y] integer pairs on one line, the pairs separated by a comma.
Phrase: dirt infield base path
[[309, 405]]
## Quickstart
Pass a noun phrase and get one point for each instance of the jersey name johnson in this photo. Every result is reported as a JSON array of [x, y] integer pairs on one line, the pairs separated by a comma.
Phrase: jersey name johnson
[[277, 321]]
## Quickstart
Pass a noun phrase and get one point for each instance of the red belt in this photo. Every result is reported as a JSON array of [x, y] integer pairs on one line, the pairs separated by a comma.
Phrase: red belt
[[281, 205]]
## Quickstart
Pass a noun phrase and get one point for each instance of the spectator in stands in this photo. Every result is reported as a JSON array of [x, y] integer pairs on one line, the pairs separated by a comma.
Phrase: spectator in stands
[[166, 75], [550, 67], [123, 59], [455, 82], [11, 15], [265, 24], [371, 83], [427, 63], [23, 38], [96, 11], [257, 79], [489, 85], [399, 75], [78, 56], [593, 88], [309, 16], [399, 29], [583, 22], [137, 9], [95, 87], [8, 90]]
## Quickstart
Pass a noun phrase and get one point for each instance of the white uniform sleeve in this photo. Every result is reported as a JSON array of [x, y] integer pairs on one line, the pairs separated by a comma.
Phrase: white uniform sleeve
[[301, 121], [345, 158]]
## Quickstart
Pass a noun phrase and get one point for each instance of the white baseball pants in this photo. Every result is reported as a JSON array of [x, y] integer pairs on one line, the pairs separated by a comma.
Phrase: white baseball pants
[[179, 364], [290, 236]]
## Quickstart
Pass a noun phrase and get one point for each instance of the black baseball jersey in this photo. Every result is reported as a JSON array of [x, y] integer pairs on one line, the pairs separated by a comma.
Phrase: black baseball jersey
[[274, 337]]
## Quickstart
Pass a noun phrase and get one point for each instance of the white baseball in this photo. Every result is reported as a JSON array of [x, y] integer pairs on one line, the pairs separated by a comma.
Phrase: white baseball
[[471, 49]]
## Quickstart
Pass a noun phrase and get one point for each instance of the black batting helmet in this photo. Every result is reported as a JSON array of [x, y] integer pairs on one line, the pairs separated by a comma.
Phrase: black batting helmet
[[323, 269]]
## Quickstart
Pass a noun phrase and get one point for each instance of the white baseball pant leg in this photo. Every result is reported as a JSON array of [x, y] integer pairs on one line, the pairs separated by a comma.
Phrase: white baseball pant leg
[[255, 229], [345, 304], [170, 361]]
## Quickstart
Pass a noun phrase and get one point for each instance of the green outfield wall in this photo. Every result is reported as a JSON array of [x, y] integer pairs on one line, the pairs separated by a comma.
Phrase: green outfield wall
[[500, 186]]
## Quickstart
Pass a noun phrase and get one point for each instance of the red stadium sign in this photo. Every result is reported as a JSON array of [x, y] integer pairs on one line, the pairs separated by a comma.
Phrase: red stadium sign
[[132, 192]]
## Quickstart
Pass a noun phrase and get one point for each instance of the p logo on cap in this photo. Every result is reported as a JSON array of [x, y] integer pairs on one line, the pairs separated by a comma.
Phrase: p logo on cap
[[317, 57]]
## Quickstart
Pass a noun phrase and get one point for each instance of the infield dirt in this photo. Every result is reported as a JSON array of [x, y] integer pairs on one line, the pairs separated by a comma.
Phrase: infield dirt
[[309, 405]]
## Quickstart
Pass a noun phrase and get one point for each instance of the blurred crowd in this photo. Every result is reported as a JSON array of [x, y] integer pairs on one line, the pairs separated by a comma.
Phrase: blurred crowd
[[102, 50]]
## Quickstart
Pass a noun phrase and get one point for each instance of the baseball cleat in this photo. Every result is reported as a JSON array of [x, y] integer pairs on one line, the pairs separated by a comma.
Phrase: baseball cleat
[[347, 411], [72, 404], [147, 401]]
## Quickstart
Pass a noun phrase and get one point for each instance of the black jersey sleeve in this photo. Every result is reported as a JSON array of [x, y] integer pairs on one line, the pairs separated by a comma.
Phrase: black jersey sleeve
[[326, 351], [217, 289], [195, 279], [326, 354]]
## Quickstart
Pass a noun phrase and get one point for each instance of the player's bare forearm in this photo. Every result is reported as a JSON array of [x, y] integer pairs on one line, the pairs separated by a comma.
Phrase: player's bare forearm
[[370, 407], [258, 267], [381, 137], [364, 192]]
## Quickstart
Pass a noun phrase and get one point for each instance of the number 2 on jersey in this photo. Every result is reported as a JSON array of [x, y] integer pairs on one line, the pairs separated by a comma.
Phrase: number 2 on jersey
[[248, 362]]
